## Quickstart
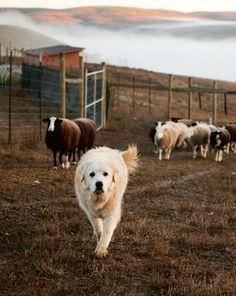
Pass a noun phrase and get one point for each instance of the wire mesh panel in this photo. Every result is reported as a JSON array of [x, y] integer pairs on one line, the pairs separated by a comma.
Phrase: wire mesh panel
[[94, 97]]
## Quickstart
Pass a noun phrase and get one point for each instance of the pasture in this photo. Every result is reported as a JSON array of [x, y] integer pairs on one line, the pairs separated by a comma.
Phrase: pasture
[[177, 234]]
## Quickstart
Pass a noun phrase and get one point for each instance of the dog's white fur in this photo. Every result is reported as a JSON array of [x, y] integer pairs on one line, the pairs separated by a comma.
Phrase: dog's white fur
[[102, 205]]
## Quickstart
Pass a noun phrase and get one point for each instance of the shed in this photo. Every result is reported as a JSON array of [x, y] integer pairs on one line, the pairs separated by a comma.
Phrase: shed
[[50, 56]]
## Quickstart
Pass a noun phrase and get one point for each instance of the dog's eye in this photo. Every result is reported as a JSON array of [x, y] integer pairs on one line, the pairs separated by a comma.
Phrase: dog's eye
[[92, 174], [105, 174]]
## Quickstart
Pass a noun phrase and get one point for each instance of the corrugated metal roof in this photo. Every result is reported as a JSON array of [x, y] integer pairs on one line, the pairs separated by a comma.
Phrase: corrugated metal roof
[[52, 50]]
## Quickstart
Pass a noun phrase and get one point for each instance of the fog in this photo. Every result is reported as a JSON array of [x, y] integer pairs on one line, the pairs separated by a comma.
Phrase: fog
[[204, 49]]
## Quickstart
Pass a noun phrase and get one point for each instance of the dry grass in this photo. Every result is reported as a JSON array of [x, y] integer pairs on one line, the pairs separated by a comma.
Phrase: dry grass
[[176, 236]]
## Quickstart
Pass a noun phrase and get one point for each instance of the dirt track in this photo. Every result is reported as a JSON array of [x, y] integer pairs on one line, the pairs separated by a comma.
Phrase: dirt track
[[176, 236]]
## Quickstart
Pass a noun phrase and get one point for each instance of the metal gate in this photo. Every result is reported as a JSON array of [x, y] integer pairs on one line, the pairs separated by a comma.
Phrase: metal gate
[[95, 97]]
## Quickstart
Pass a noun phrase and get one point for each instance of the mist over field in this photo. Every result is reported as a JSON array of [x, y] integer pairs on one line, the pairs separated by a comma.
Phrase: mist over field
[[194, 47]]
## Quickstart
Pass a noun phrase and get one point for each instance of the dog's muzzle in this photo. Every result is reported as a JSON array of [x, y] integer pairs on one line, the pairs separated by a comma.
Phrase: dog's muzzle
[[99, 187]]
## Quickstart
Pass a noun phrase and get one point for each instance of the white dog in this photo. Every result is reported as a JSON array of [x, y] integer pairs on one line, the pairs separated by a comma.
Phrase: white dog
[[100, 182]]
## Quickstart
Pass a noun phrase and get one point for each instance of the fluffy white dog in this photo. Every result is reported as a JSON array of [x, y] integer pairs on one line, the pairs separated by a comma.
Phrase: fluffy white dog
[[100, 182]]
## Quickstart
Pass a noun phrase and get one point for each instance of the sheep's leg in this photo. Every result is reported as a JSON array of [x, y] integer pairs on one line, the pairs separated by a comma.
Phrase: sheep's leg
[[217, 155], [205, 150], [195, 151], [220, 155], [167, 154], [160, 154], [67, 163], [73, 157], [54, 159], [227, 148], [156, 150], [60, 159]]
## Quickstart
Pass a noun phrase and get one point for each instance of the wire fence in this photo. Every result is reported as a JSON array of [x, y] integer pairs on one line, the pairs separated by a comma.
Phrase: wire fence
[[30, 92], [147, 95]]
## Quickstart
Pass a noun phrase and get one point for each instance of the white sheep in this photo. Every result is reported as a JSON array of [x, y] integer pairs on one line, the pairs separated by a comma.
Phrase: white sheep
[[165, 139], [199, 139], [181, 133]]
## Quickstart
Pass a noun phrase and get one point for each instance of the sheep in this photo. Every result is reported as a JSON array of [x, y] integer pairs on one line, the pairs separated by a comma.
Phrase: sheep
[[88, 134], [219, 140], [181, 133], [232, 131], [165, 139], [199, 139], [62, 135]]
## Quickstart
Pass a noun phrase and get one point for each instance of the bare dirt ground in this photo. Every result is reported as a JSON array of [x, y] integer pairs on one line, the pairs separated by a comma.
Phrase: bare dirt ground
[[176, 236]]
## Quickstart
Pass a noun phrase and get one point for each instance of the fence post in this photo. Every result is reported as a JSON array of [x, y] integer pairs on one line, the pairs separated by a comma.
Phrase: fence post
[[81, 93], [200, 100], [104, 95], [62, 85], [133, 93], [170, 95], [150, 95], [40, 95], [225, 103], [9, 100], [214, 111], [190, 98]]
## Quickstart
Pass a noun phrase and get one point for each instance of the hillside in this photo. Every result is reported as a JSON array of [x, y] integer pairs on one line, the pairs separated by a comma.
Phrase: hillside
[[24, 38], [110, 15], [105, 15]]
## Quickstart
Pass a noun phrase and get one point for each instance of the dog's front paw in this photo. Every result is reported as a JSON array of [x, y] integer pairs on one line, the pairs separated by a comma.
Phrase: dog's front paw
[[100, 252]]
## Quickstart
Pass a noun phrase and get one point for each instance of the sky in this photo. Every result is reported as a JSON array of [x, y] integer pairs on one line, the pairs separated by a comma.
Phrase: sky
[[180, 5]]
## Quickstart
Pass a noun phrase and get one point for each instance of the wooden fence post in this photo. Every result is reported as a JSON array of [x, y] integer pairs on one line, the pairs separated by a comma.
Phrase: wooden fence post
[[150, 96], [214, 111], [104, 95], [200, 100], [225, 103], [190, 98], [133, 99], [170, 95], [63, 85], [40, 95], [10, 100], [81, 93]]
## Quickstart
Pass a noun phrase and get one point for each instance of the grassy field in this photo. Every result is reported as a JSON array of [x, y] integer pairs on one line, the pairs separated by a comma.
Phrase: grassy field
[[176, 236]]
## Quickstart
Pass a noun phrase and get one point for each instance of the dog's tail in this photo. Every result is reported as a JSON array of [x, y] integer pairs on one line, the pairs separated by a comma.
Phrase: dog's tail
[[130, 157]]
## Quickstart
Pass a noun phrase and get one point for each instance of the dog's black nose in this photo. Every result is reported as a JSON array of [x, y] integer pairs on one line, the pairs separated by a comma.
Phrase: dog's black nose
[[99, 185]]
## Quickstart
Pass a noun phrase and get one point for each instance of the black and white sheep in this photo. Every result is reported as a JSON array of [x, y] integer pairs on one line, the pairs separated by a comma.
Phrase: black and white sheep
[[219, 140], [63, 136]]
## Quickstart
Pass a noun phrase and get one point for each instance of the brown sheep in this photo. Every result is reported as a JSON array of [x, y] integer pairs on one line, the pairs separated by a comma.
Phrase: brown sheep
[[63, 136]]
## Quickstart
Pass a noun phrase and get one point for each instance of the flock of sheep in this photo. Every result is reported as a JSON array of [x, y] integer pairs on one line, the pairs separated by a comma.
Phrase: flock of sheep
[[200, 136], [70, 136]]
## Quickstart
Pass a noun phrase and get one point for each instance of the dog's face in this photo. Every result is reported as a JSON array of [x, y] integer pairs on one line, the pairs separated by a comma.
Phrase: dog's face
[[98, 177]]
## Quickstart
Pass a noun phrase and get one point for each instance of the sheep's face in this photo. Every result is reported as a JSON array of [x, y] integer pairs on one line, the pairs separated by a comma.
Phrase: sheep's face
[[159, 132], [216, 138], [52, 122]]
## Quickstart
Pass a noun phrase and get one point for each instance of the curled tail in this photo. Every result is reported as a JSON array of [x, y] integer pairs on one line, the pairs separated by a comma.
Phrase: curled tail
[[130, 157]]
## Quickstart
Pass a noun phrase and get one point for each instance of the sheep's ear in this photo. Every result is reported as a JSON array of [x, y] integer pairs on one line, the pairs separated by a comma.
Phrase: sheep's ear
[[59, 119], [82, 179], [45, 120], [155, 123]]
